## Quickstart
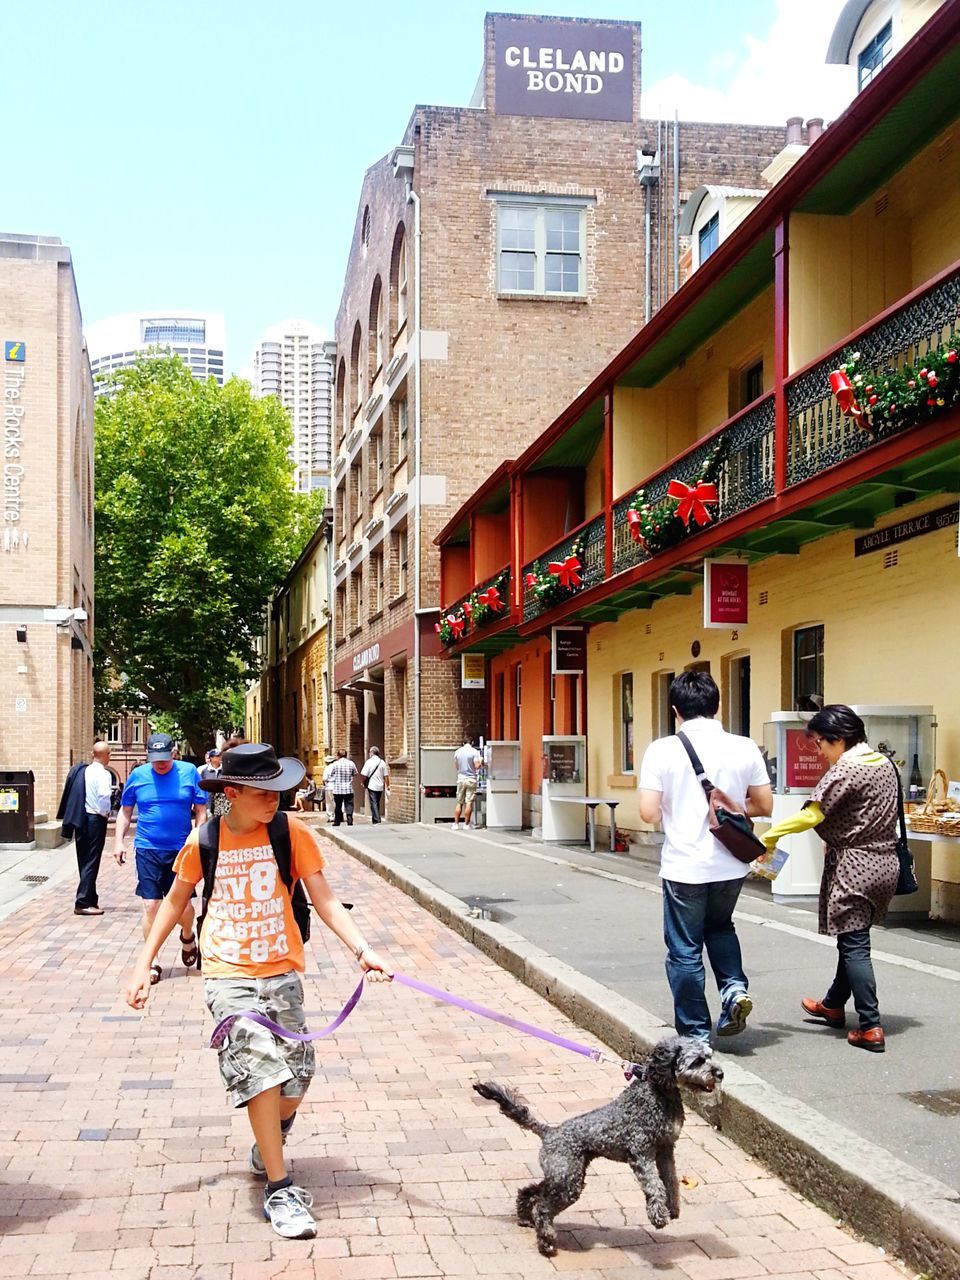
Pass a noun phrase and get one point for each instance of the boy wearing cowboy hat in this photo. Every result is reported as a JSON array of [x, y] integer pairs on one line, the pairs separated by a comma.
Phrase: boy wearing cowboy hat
[[253, 957]]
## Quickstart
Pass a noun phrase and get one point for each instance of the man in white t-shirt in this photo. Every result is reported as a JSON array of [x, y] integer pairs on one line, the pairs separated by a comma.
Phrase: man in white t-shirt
[[468, 761], [376, 776], [701, 881]]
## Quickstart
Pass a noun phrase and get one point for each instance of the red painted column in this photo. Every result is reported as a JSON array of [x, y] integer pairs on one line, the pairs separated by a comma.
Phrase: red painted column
[[781, 356], [516, 536], [608, 481]]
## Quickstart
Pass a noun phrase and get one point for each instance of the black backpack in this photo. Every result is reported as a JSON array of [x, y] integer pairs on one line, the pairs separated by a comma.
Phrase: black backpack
[[278, 829]]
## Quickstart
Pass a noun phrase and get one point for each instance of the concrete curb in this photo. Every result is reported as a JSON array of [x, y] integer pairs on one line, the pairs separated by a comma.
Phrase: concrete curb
[[890, 1203]]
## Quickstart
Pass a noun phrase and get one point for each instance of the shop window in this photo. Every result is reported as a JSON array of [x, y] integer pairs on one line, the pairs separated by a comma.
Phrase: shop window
[[626, 722], [808, 668], [399, 728], [709, 238], [540, 247], [875, 55], [664, 719]]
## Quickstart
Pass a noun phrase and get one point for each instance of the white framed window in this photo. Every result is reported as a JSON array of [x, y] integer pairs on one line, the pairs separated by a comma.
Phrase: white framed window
[[874, 56], [541, 246], [402, 428], [116, 732], [709, 238]]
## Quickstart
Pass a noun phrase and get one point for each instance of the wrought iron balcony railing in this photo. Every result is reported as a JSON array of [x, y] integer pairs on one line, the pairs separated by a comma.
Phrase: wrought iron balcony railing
[[743, 449], [820, 434], [484, 606], [542, 590]]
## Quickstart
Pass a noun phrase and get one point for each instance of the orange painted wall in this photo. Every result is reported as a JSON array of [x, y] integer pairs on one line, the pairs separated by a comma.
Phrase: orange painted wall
[[455, 577], [552, 504], [491, 544]]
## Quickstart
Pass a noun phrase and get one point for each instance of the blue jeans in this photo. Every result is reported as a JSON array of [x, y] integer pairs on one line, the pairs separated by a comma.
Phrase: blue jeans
[[697, 916]]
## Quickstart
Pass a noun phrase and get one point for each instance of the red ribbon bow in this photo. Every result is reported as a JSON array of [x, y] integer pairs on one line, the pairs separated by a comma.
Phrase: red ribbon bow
[[490, 599], [568, 572], [692, 500], [635, 524], [842, 388], [456, 625]]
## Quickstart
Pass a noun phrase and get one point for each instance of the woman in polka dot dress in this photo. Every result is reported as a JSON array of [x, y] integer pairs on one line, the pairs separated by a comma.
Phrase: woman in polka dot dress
[[854, 810]]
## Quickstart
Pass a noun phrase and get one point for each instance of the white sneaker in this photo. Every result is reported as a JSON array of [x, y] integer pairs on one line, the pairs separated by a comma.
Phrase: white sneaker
[[287, 1211]]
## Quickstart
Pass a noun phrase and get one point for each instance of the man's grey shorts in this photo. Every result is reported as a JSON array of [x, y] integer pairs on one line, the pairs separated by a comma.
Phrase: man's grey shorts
[[252, 1059]]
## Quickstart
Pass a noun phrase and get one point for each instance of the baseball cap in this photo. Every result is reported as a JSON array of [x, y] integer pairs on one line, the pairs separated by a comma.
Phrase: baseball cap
[[214, 751], [159, 747]]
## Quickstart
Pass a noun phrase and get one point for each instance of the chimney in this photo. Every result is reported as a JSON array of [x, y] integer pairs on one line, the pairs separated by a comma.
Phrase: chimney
[[814, 129], [795, 130]]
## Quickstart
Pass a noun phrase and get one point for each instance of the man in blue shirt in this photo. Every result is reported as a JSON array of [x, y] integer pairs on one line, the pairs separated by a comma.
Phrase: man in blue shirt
[[168, 798]]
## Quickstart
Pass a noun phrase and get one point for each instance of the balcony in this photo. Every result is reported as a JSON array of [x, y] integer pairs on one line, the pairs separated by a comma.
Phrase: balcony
[[579, 558], [820, 434], [484, 609], [737, 458]]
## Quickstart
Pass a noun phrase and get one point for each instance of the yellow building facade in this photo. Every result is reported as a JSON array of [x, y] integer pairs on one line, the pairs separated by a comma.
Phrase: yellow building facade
[[841, 501]]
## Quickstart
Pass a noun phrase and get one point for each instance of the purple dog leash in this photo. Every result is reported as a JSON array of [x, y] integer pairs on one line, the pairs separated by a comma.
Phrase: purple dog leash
[[459, 1002]]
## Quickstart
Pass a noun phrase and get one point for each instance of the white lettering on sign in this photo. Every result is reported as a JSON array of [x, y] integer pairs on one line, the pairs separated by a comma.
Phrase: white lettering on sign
[[366, 657], [552, 71], [14, 537]]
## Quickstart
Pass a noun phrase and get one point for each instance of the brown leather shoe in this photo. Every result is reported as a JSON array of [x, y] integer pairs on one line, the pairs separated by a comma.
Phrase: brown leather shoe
[[816, 1009], [871, 1039]]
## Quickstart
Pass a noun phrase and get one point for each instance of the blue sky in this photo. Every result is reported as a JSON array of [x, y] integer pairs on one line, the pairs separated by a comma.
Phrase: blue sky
[[208, 155]]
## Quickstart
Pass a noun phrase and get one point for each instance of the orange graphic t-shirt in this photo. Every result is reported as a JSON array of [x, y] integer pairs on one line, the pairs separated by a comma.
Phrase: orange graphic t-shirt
[[249, 930]]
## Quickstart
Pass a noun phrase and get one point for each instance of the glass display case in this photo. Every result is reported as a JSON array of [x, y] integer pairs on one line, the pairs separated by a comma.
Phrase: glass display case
[[564, 783], [504, 799], [908, 735], [794, 766], [564, 758]]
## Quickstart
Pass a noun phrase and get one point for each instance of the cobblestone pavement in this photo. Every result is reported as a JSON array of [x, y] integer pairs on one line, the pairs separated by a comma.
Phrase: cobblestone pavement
[[119, 1155]]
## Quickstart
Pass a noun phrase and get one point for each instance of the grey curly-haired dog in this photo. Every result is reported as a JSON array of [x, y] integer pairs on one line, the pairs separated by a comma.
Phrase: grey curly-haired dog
[[639, 1128]]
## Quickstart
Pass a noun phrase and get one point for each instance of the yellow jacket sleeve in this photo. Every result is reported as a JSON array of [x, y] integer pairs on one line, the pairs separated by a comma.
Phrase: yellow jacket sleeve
[[811, 815]]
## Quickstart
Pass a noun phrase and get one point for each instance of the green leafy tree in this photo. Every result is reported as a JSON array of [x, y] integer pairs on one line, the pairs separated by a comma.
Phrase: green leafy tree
[[197, 522]]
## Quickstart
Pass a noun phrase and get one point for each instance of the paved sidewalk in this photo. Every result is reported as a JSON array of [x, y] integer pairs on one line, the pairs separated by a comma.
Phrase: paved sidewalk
[[119, 1157], [602, 915]]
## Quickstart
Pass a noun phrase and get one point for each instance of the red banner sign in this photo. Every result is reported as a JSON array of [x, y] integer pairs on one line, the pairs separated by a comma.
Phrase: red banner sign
[[804, 766], [725, 584]]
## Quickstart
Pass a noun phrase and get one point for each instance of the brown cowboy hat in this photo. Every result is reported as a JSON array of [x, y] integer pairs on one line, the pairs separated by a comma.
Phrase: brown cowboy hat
[[255, 764]]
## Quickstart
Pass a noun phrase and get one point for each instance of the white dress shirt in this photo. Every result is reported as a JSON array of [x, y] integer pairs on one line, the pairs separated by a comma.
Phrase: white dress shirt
[[99, 788]]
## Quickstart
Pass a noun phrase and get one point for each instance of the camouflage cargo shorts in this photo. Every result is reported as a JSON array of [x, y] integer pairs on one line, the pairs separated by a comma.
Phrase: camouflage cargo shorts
[[252, 1059]]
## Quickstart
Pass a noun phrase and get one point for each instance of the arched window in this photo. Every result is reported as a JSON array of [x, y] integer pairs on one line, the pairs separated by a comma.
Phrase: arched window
[[356, 370], [398, 281], [375, 335], [340, 416], [365, 231]]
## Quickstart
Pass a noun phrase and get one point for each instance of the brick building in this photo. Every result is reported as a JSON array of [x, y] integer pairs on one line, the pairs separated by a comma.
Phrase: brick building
[[46, 529], [290, 704], [502, 253]]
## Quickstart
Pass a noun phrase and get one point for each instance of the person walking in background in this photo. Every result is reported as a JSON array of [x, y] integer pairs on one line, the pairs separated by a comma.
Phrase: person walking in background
[[854, 809], [167, 796], [85, 811], [328, 802], [701, 881], [340, 781], [468, 762], [376, 776]]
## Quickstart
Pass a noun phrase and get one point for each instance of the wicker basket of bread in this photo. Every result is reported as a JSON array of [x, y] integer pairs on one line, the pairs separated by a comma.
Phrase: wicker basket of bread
[[937, 816]]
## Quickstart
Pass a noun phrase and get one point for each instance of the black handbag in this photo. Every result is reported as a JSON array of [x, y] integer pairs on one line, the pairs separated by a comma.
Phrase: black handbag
[[727, 821], [907, 879]]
